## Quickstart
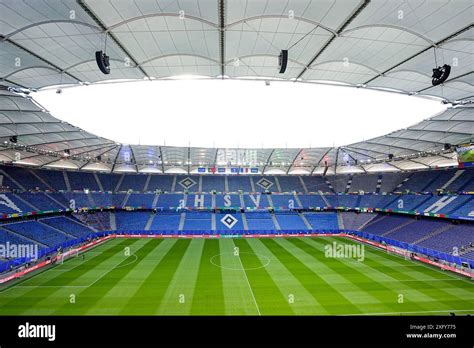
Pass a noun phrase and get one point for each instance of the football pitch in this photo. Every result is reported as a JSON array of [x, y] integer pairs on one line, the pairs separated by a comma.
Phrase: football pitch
[[236, 276]]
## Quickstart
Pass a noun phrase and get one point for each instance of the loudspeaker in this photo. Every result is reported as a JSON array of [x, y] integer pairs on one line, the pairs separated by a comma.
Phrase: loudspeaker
[[447, 146], [102, 62], [390, 156], [283, 61], [440, 74], [14, 139]]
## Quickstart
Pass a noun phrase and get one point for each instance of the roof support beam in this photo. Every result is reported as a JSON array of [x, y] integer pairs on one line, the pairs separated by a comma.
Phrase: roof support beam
[[339, 31], [161, 160], [394, 166], [13, 83], [417, 162], [335, 162], [215, 159], [468, 136], [112, 36], [96, 147], [362, 149], [426, 141], [267, 161], [221, 10], [100, 154], [60, 71], [189, 159], [79, 153], [353, 158], [66, 140], [115, 159], [294, 160], [449, 80], [322, 157], [357, 152], [420, 52], [383, 153], [42, 133], [134, 161], [52, 161], [393, 146]]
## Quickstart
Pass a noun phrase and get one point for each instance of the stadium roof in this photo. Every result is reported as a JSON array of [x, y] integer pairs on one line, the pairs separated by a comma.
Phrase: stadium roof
[[391, 45], [42, 140], [375, 44]]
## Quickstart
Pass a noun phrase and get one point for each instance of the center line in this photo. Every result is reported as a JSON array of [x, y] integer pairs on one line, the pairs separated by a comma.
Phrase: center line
[[246, 278]]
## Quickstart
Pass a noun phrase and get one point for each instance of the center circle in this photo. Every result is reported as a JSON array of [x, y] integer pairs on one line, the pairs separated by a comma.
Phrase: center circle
[[239, 267]]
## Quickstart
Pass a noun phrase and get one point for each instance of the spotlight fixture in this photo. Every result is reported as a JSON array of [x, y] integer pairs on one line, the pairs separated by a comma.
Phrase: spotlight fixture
[[14, 139], [440, 74]]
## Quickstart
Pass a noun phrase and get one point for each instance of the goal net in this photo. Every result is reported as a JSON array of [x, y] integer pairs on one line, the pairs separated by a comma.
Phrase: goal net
[[398, 251], [68, 255]]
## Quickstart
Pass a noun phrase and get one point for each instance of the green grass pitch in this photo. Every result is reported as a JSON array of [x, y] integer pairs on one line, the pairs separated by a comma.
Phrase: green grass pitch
[[279, 276]]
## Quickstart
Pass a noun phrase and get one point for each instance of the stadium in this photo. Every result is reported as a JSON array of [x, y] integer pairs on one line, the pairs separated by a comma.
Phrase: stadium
[[91, 226]]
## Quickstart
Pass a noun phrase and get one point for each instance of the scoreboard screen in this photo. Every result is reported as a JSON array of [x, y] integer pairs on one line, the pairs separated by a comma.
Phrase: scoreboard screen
[[465, 154]]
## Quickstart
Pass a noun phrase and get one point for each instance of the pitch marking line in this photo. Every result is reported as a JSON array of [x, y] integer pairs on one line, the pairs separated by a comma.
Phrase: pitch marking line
[[110, 270], [81, 286], [423, 265], [128, 263], [51, 286], [248, 283], [412, 312], [267, 262], [55, 268], [428, 280]]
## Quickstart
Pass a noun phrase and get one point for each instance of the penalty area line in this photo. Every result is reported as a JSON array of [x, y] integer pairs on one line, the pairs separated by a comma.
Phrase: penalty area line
[[110, 270]]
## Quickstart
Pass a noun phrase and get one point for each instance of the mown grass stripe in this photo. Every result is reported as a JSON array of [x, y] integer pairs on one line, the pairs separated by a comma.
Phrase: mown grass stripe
[[414, 297], [425, 274], [60, 300], [371, 285], [147, 298], [238, 295], [452, 294], [29, 301], [329, 296], [300, 299], [423, 278], [179, 295], [352, 279], [328, 269], [270, 298], [208, 297], [93, 296]]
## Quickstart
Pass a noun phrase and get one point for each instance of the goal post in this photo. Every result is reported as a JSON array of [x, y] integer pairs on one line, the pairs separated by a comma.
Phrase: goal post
[[406, 254], [69, 254]]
